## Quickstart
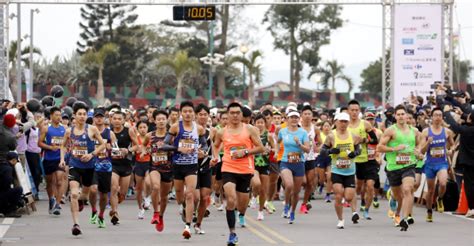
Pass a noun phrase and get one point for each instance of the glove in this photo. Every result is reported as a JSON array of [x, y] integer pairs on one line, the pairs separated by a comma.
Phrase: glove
[[334, 151], [352, 155]]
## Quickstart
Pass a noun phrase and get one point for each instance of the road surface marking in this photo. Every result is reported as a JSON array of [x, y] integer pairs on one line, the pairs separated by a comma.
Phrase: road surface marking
[[259, 234], [4, 229], [268, 230]]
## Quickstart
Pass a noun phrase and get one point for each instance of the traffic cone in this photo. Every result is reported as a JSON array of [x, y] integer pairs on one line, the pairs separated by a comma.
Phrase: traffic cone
[[462, 205]]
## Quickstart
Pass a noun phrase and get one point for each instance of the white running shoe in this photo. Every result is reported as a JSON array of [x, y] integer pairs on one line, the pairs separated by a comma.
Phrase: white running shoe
[[340, 224], [147, 203], [253, 203], [141, 214], [260, 216], [221, 207]]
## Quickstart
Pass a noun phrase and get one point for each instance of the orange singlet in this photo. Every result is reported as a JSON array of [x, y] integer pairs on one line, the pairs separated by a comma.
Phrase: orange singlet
[[233, 142]]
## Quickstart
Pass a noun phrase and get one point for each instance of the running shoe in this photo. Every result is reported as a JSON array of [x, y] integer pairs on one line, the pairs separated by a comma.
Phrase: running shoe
[[130, 192], [161, 224], [146, 203], [327, 198], [303, 209], [155, 218], [141, 214], [270, 207], [115, 219], [207, 213], [340, 224], [233, 239], [292, 218], [253, 203], [429, 217], [396, 220], [309, 206], [440, 204], [376, 204], [286, 210], [366, 215], [76, 230], [470, 214], [57, 209], [101, 222], [260, 216], [52, 204], [93, 218], [403, 225], [410, 220], [362, 208], [321, 187], [187, 232], [355, 218], [198, 230], [221, 207], [242, 220], [81, 205]]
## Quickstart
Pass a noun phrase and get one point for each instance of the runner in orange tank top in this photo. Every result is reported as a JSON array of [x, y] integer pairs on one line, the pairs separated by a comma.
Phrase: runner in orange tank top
[[240, 142]]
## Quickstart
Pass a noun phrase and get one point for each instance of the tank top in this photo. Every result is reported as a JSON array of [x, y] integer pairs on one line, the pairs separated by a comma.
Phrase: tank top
[[204, 162], [159, 159], [187, 139], [103, 163], [293, 153], [436, 152], [123, 141], [54, 137], [233, 142], [340, 163], [360, 131], [146, 158], [281, 150], [81, 145], [400, 159], [311, 156], [262, 160]]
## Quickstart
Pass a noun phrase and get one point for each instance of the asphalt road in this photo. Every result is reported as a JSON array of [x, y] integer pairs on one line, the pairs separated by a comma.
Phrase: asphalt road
[[316, 228]]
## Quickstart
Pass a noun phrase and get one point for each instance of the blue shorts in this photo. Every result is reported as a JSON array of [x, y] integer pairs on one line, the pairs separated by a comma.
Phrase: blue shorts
[[323, 162], [431, 170], [297, 169]]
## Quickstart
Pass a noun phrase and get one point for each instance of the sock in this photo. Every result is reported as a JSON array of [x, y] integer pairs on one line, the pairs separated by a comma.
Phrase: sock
[[94, 210], [367, 209], [376, 199], [241, 214], [218, 195], [188, 224], [430, 211], [230, 216], [101, 214]]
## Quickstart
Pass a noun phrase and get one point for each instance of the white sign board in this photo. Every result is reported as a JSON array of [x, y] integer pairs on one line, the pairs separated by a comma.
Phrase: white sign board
[[417, 50]]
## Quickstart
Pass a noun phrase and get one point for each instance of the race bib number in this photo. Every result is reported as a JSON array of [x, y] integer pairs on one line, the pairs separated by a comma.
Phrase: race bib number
[[437, 152], [116, 154], [159, 158], [371, 153], [79, 151], [343, 163], [187, 143], [57, 141], [403, 159], [234, 149], [294, 157]]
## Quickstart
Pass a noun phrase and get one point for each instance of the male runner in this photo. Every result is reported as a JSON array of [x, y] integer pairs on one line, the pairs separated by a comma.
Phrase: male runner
[[240, 142], [103, 170], [187, 137], [366, 172], [401, 144], [438, 140], [272, 122], [81, 141], [216, 169], [51, 139]]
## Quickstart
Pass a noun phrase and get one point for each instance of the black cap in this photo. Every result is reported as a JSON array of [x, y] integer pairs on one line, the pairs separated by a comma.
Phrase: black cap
[[99, 111], [12, 156], [64, 116], [246, 112]]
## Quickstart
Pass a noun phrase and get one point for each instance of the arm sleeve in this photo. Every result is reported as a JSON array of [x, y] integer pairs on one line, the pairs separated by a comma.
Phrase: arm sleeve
[[357, 149], [373, 137], [168, 139], [325, 150], [203, 142]]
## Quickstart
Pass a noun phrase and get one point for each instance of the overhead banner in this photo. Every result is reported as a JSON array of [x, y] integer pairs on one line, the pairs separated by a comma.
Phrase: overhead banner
[[417, 50]]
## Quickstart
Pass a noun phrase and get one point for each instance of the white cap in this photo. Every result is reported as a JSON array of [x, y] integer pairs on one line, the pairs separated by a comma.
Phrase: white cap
[[342, 116], [293, 113], [292, 104], [289, 109]]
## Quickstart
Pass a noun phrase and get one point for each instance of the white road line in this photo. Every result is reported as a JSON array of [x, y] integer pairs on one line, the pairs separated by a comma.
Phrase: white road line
[[4, 229]]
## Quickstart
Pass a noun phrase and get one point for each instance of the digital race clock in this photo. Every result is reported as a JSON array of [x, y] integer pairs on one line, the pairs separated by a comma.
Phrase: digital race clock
[[194, 13]]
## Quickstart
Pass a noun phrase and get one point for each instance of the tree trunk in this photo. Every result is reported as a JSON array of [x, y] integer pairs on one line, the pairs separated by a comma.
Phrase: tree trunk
[[297, 78], [179, 88], [221, 86], [332, 99], [292, 62], [100, 87], [251, 92]]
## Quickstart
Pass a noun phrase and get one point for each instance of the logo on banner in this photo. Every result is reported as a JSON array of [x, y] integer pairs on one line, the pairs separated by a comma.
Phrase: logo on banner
[[426, 36], [425, 47], [426, 25], [409, 29], [417, 17], [407, 41], [409, 52]]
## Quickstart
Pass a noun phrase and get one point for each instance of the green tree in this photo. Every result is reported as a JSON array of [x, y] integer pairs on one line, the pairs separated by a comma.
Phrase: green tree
[[97, 58], [181, 66], [331, 72], [372, 78], [300, 30], [25, 52], [254, 69]]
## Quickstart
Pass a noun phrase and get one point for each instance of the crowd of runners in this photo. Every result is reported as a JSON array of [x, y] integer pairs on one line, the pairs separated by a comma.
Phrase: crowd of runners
[[235, 158]]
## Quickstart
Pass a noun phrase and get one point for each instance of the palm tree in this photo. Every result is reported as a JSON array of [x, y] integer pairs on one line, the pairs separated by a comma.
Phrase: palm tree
[[332, 72], [254, 72], [181, 66], [12, 62], [97, 58]]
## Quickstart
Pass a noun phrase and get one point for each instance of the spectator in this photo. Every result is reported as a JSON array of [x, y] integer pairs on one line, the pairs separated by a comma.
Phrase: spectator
[[10, 197]]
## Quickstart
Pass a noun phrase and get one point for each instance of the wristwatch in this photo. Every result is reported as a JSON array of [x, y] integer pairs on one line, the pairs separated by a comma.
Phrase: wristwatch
[[246, 152]]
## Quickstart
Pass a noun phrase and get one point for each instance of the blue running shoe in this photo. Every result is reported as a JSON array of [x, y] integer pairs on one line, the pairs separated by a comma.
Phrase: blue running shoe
[[366, 215], [52, 205], [242, 220], [292, 218], [393, 204], [233, 240], [286, 210]]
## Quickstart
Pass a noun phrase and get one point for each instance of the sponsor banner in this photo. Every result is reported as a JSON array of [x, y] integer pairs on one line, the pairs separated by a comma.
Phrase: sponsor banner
[[417, 52]]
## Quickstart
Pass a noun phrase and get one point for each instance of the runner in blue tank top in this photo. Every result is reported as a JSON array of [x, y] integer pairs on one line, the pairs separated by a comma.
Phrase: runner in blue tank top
[[187, 137], [437, 140], [51, 138], [81, 139]]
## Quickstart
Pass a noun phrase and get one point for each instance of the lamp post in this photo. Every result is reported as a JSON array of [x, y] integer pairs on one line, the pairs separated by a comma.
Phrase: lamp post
[[29, 88], [244, 49], [213, 60]]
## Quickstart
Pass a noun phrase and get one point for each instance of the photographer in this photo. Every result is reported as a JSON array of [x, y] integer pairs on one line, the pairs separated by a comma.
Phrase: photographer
[[10, 196], [466, 132]]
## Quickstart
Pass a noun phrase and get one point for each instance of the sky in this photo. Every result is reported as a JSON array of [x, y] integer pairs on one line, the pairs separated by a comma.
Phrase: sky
[[356, 44]]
